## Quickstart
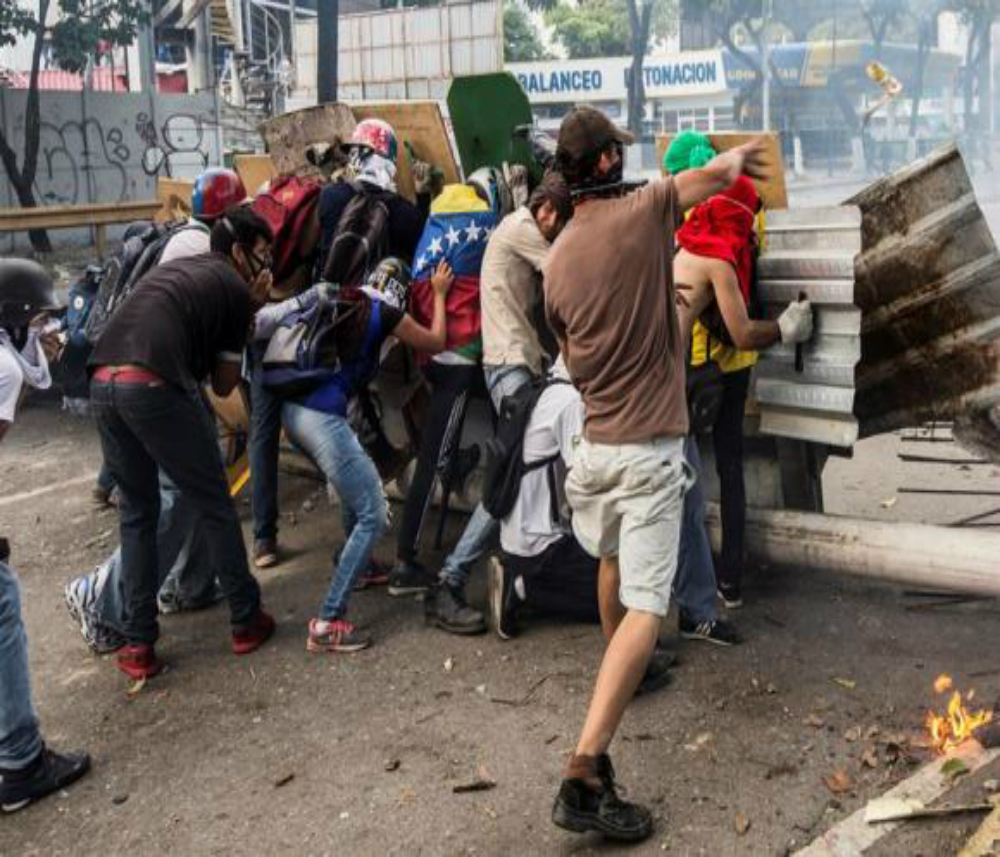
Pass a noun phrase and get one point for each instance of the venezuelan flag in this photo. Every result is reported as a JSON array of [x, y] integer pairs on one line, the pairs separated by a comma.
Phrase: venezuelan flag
[[457, 231]]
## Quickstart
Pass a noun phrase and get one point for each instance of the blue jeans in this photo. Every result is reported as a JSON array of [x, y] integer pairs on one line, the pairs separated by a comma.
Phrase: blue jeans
[[265, 434], [185, 565], [332, 444], [482, 530], [20, 741], [695, 585], [146, 429]]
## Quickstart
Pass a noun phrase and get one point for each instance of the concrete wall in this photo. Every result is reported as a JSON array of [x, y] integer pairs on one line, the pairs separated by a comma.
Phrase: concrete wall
[[108, 147]]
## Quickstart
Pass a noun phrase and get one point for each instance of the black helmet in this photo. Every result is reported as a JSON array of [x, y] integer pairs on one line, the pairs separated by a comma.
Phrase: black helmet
[[25, 291], [391, 277]]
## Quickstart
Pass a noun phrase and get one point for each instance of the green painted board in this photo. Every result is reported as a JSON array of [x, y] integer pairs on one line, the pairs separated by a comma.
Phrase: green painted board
[[484, 110]]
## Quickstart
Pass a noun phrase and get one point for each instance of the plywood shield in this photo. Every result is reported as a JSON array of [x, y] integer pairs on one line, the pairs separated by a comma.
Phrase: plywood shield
[[420, 124], [287, 136], [772, 189]]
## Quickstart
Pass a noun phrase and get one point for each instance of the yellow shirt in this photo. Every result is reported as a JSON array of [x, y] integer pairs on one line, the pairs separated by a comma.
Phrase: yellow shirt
[[729, 357]]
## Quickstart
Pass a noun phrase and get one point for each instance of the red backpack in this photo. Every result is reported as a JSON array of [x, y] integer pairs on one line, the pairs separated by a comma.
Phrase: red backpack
[[287, 206]]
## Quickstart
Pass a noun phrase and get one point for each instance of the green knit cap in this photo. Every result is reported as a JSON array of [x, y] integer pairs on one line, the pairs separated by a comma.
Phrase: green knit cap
[[689, 151]]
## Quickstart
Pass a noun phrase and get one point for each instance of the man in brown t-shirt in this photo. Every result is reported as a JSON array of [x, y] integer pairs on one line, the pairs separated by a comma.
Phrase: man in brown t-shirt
[[610, 300]]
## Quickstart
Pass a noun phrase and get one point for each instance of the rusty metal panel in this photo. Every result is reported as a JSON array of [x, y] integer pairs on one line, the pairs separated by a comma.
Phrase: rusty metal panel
[[928, 284], [811, 251]]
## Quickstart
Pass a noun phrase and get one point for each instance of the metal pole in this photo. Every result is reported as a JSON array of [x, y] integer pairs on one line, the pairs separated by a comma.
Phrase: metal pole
[[919, 555], [328, 13], [766, 67]]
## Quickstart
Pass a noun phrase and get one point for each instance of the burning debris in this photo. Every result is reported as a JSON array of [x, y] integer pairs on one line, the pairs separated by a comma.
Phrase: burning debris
[[958, 723]]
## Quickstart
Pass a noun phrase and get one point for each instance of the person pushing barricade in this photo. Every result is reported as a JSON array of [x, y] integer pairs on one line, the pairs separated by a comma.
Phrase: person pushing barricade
[[610, 301], [187, 322], [320, 349], [715, 274], [358, 223]]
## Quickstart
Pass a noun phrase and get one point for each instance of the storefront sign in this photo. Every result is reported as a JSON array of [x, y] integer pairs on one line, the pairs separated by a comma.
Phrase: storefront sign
[[690, 73]]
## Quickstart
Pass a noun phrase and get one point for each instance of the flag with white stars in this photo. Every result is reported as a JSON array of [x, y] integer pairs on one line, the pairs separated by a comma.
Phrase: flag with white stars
[[457, 232]]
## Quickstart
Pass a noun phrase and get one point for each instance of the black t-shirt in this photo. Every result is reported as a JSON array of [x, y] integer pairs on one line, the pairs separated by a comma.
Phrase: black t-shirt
[[406, 221], [178, 319]]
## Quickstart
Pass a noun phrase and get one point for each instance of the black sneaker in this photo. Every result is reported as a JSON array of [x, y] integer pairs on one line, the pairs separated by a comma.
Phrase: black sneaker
[[580, 808], [657, 671], [49, 773], [504, 601], [731, 596], [715, 631], [409, 578], [446, 607]]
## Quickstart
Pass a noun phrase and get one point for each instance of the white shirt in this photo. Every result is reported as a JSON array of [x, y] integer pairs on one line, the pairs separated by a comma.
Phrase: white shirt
[[553, 429], [30, 366], [193, 240]]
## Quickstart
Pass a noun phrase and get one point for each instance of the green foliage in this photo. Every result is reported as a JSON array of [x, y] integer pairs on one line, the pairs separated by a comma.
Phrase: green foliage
[[521, 39], [82, 27], [601, 28]]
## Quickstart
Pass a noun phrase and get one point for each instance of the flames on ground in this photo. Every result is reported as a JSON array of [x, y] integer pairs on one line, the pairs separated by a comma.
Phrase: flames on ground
[[959, 722]]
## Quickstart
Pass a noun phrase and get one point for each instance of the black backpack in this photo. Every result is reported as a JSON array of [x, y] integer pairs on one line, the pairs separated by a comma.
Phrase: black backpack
[[361, 239], [505, 467], [143, 246]]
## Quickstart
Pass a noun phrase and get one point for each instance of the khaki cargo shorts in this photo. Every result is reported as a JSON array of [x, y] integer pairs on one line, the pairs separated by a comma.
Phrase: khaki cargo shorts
[[627, 502]]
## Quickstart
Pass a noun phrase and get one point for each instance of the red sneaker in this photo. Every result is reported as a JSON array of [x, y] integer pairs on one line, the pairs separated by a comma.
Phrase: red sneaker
[[337, 635], [138, 661], [254, 634]]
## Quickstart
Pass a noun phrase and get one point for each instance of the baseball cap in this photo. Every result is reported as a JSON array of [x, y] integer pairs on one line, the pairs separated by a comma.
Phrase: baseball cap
[[586, 131]]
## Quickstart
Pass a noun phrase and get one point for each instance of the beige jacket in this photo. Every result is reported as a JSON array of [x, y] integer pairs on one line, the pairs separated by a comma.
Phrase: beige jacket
[[510, 289]]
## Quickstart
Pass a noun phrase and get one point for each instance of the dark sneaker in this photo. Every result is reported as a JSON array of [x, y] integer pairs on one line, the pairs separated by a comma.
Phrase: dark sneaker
[[504, 601], [657, 674], [446, 607], [731, 596], [265, 553], [138, 661], [409, 578], [103, 498], [254, 634], [716, 631], [171, 601], [581, 808], [337, 635], [49, 773], [377, 574]]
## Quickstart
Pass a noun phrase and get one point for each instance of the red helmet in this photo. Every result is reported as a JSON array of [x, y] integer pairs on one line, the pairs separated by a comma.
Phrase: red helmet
[[215, 190], [376, 136]]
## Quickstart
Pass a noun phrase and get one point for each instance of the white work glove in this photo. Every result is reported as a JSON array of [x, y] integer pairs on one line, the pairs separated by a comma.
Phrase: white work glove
[[796, 323]]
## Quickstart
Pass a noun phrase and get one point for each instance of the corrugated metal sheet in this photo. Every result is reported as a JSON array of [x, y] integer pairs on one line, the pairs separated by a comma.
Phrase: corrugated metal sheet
[[407, 53], [928, 283], [811, 251]]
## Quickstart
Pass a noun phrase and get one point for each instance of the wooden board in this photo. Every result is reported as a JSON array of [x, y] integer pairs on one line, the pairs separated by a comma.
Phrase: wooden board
[[421, 125], [255, 170], [853, 835], [288, 135], [175, 199], [772, 190]]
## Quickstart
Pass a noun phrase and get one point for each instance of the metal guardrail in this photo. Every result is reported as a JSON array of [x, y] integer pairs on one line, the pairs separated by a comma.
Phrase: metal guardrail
[[811, 251], [928, 283]]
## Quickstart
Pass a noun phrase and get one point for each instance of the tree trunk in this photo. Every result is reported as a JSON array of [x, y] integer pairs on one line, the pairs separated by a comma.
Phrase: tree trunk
[[640, 23], [23, 179]]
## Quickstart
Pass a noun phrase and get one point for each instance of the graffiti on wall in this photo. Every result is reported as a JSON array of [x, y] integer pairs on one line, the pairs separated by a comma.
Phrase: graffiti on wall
[[180, 139], [68, 150], [109, 147]]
